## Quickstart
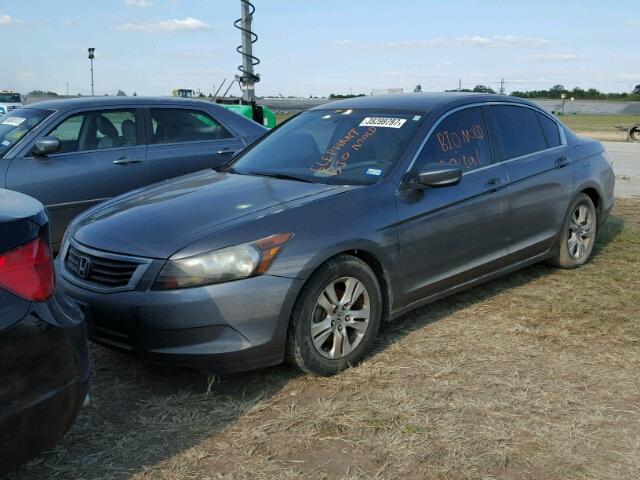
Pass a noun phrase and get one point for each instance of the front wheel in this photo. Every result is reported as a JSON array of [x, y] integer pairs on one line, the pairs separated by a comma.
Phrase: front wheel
[[336, 317], [578, 234]]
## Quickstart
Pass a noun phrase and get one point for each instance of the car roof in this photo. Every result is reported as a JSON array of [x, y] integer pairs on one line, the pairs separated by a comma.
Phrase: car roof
[[420, 102], [108, 101]]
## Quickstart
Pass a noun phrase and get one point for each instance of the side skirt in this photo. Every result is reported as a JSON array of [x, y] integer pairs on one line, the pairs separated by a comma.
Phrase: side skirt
[[471, 283]]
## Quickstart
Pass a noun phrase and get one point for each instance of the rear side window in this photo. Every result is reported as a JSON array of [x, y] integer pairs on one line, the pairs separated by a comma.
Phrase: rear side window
[[460, 139], [550, 128], [173, 125], [519, 130]]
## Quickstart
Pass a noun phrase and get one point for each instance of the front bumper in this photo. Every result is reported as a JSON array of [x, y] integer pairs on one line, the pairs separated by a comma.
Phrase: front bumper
[[223, 328], [44, 375]]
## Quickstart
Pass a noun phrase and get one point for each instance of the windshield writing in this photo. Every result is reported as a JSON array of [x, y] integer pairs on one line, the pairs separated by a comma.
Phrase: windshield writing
[[337, 146]]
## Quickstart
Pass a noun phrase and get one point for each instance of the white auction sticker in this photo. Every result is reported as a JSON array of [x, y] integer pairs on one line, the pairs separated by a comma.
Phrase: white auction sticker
[[387, 122], [14, 121]]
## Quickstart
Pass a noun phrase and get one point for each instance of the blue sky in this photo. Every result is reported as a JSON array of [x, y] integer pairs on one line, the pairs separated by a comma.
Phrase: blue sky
[[319, 47]]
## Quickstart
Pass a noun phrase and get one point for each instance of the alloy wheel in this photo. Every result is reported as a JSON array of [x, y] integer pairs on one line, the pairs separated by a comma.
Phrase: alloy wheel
[[340, 317], [581, 232]]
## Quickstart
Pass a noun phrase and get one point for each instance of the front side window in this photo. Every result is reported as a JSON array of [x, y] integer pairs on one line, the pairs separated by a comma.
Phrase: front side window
[[15, 125], [519, 130], [461, 139], [97, 130], [176, 125], [341, 147]]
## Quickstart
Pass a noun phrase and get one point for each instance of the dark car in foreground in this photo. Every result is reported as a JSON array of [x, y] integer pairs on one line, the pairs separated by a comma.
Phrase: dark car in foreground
[[349, 214], [44, 361], [71, 154]]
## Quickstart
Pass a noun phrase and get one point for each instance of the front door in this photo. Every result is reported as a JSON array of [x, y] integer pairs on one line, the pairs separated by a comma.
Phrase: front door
[[186, 140], [454, 234], [100, 157]]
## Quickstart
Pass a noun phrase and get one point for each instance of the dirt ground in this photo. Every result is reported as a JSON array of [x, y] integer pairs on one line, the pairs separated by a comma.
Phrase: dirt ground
[[532, 376]]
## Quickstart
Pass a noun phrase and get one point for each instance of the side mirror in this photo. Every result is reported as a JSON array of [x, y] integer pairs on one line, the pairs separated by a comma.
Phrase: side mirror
[[46, 146], [435, 176]]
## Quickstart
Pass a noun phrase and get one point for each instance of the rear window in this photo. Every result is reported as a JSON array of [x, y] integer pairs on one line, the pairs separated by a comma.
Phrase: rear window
[[519, 130], [551, 132]]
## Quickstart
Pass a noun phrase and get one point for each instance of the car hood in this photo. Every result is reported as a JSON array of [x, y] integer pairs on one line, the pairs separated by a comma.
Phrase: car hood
[[158, 221]]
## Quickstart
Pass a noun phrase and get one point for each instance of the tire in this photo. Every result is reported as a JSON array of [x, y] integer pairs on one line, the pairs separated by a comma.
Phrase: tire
[[578, 234], [328, 329]]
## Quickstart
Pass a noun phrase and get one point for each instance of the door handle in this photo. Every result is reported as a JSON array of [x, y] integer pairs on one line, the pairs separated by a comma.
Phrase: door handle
[[563, 161], [493, 184], [223, 151], [126, 160]]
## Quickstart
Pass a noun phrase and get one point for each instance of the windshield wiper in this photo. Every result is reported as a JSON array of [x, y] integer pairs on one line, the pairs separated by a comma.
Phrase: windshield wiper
[[281, 176]]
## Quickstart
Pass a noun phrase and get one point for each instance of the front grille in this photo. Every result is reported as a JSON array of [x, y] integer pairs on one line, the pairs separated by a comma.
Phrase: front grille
[[11, 107], [99, 270]]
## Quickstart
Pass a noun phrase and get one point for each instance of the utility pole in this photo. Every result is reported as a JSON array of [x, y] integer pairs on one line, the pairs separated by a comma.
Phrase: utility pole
[[67, 89], [91, 56], [502, 87], [459, 84], [248, 78]]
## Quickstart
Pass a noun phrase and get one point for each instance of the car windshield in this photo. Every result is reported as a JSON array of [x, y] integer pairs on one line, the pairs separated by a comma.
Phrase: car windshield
[[15, 125], [9, 97], [346, 147]]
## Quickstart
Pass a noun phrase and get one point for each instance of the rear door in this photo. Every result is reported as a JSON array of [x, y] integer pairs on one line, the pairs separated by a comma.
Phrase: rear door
[[184, 140], [533, 150], [454, 234], [100, 156]]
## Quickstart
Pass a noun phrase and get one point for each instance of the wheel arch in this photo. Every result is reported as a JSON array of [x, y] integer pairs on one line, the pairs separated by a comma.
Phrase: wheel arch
[[595, 196], [369, 254]]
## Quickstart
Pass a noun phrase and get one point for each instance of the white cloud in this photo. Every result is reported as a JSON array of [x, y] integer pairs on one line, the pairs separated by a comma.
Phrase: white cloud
[[189, 24], [555, 57], [139, 3], [7, 20], [633, 23], [495, 41]]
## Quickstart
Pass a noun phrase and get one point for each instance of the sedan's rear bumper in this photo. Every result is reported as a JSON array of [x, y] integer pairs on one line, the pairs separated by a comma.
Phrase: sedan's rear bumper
[[44, 374], [228, 327]]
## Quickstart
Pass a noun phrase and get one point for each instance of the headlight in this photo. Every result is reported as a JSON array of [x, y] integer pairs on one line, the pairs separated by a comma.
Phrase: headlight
[[231, 263]]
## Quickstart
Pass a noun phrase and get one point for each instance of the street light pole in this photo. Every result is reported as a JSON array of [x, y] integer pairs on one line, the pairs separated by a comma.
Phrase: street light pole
[[91, 57]]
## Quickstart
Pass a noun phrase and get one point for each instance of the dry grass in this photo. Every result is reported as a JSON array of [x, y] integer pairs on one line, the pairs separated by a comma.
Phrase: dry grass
[[533, 376]]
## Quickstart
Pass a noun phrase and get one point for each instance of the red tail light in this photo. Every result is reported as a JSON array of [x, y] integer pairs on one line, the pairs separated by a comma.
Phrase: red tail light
[[28, 271]]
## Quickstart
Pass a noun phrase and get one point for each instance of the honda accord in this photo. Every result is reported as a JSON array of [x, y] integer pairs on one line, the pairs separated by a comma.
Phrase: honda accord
[[345, 216]]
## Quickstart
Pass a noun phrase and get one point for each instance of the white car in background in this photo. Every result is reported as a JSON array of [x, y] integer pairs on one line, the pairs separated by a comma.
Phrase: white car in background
[[9, 101]]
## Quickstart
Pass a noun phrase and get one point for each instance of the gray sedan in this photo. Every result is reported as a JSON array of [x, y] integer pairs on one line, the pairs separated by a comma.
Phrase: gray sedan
[[71, 154], [345, 216]]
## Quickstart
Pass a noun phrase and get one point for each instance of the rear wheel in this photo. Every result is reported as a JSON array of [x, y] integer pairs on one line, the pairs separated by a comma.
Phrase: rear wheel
[[578, 234], [336, 318]]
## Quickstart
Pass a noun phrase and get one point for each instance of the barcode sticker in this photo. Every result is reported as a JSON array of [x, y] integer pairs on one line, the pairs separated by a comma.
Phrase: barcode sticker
[[14, 121], [386, 122]]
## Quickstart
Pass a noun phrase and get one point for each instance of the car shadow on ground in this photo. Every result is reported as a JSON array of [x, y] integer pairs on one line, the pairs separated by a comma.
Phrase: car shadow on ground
[[141, 413]]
